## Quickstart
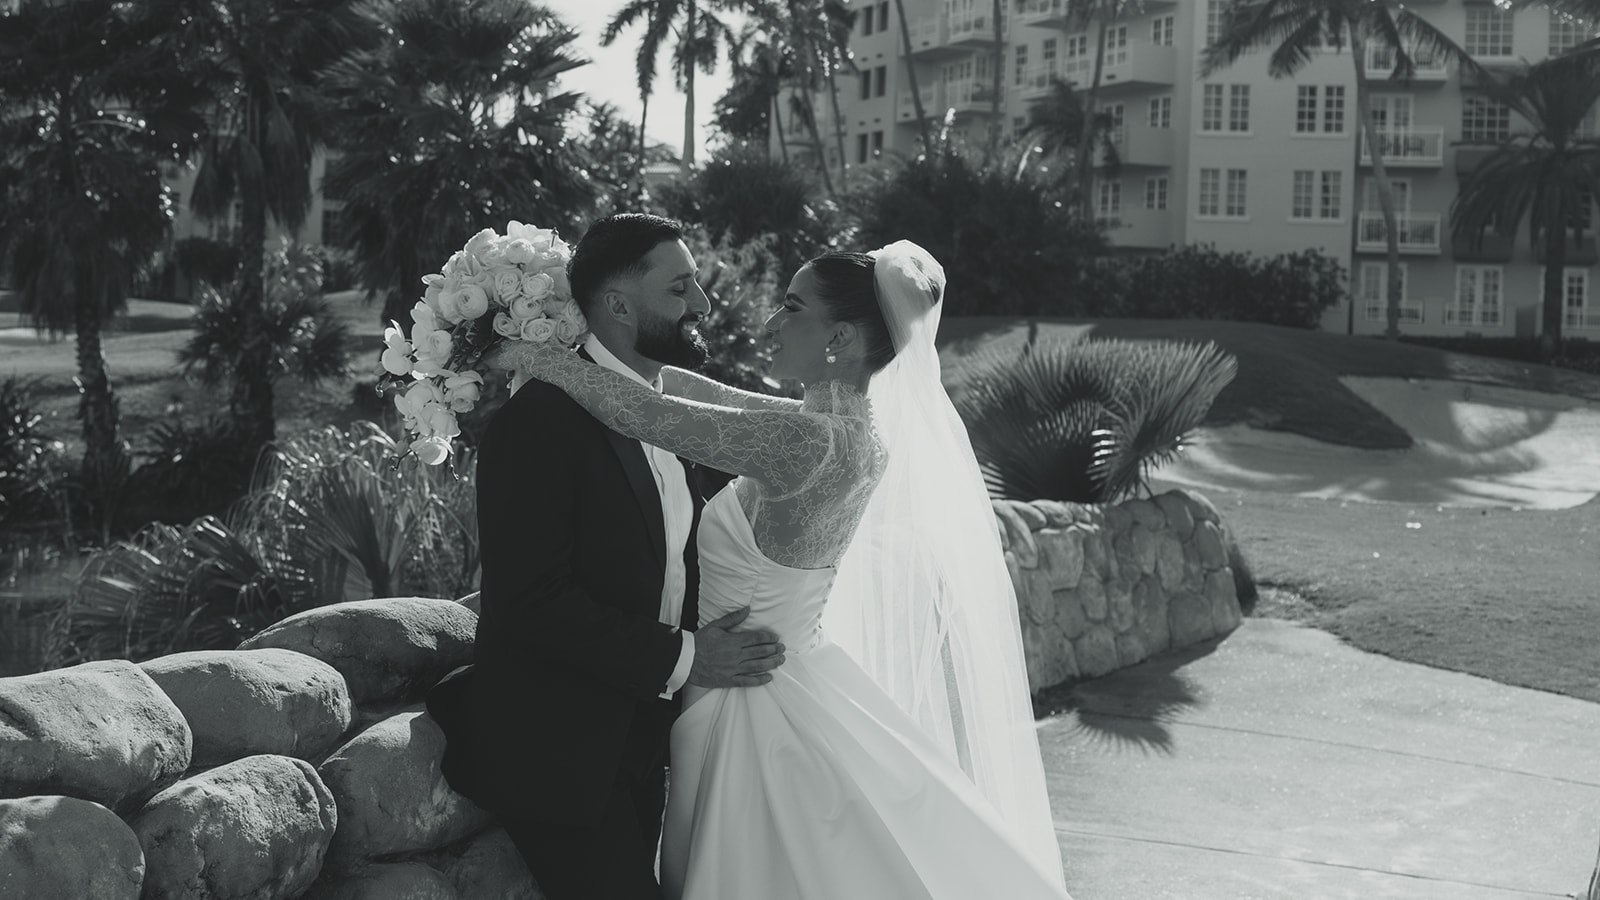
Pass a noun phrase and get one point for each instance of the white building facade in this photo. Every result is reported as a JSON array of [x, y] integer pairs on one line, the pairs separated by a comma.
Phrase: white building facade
[[1239, 159]]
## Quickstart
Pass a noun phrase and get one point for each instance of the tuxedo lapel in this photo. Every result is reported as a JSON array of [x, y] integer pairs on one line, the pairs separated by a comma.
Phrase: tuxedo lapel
[[643, 482]]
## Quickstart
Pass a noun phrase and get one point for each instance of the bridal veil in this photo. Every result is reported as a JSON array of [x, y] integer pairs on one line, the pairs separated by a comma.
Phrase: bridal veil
[[923, 599]]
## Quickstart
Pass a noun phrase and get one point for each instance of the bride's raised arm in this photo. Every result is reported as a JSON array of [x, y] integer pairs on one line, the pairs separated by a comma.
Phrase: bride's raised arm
[[694, 386], [781, 448]]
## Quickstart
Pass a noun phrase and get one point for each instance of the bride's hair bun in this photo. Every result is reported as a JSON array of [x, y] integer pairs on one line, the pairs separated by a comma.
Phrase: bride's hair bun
[[847, 287]]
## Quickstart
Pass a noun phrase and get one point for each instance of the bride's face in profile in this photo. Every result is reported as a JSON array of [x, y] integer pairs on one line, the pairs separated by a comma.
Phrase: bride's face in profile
[[800, 331]]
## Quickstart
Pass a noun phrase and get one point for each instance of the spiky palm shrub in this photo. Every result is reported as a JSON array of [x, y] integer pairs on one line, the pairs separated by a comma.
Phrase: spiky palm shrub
[[329, 519], [1085, 421]]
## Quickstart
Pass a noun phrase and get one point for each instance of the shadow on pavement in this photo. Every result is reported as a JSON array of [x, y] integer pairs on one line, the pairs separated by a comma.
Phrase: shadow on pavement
[[1131, 708]]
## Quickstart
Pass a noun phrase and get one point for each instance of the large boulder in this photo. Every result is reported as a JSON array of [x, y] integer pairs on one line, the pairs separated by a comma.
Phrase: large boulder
[[392, 797], [389, 881], [248, 702], [100, 731], [488, 865], [389, 650], [254, 829], [66, 847]]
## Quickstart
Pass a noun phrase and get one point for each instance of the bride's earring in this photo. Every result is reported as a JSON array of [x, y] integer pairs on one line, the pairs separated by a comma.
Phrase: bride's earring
[[829, 355]]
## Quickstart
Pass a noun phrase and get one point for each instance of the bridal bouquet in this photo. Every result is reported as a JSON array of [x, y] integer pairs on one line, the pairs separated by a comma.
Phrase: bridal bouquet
[[497, 289]]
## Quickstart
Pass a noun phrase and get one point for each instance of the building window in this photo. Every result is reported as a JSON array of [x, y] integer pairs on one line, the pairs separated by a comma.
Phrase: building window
[[1155, 192], [1161, 112], [1049, 57], [1234, 207], [1022, 63], [1477, 296], [1239, 108], [883, 81], [1018, 123], [1333, 109], [1213, 20], [1315, 195], [1305, 109], [1581, 218], [1575, 287], [861, 148], [1484, 121], [1211, 108], [1210, 192], [866, 22], [866, 84], [1374, 294], [1117, 46], [1566, 34], [1110, 199], [1488, 31], [877, 144], [1161, 31], [883, 16]]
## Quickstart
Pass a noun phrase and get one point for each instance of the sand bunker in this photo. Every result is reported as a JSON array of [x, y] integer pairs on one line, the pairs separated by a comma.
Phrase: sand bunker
[[1476, 445]]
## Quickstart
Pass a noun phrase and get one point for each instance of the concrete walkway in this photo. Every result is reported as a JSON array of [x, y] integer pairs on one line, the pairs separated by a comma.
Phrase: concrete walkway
[[1282, 763]]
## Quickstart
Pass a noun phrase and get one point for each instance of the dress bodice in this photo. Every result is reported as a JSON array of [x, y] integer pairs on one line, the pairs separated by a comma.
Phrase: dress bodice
[[735, 573]]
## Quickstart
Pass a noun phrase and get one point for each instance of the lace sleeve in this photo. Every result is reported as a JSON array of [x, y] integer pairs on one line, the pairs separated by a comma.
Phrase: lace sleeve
[[780, 449], [694, 386]]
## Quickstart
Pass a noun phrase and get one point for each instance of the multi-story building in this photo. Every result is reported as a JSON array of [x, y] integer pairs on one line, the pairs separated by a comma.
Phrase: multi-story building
[[1238, 158]]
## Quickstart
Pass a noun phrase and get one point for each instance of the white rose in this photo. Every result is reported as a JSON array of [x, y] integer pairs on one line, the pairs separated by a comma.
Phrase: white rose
[[463, 391], [448, 305], [479, 243], [538, 330], [549, 259], [538, 285], [431, 450], [519, 251], [472, 301], [562, 287], [567, 331], [507, 283], [506, 327], [525, 307]]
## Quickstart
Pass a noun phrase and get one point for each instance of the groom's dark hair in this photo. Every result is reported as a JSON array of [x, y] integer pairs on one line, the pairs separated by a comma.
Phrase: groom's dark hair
[[615, 247]]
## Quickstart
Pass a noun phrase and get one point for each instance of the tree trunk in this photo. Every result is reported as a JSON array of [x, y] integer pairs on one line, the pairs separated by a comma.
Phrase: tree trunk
[[688, 90], [105, 460], [777, 125], [1393, 288], [911, 78], [999, 83], [644, 112], [1084, 170], [1555, 296], [838, 123], [251, 404]]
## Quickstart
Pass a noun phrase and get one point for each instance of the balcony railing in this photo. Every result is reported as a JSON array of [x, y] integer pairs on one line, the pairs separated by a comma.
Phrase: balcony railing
[[1472, 314], [1419, 232], [1035, 80], [1041, 13], [970, 95], [1429, 66], [971, 28], [1138, 145], [1408, 147], [1582, 319], [1411, 311]]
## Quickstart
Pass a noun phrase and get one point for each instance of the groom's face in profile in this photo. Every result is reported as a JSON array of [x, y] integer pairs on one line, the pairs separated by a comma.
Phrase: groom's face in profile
[[668, 305]]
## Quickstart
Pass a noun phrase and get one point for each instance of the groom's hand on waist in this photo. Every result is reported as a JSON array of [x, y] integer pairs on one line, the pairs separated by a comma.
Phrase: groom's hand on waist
[[727, 658]]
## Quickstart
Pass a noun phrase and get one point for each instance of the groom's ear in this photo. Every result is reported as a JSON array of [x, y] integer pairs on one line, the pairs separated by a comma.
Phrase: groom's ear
[[615, 304]]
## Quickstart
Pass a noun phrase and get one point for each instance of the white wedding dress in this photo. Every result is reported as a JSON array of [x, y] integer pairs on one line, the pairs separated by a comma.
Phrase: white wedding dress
[[817, 785]]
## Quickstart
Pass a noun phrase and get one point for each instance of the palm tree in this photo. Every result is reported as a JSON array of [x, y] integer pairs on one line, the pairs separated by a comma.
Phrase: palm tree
[[451, 126], [911, 76], [1058, 122], [1542, 174], [700, 33], [1103, 14], [269, 122], [1296, 29], [92, 103]]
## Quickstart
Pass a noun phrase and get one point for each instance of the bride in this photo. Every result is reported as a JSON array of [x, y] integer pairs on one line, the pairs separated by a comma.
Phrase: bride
[[893, 754]]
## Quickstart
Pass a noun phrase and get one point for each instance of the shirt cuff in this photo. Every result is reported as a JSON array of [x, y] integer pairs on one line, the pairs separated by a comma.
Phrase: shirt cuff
[[680, 672]]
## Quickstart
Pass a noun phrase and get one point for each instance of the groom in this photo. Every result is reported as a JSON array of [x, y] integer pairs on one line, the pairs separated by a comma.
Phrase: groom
[[590, 579]]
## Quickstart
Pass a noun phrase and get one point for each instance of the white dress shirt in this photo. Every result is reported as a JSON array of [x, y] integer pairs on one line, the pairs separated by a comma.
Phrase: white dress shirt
[[677, 509]]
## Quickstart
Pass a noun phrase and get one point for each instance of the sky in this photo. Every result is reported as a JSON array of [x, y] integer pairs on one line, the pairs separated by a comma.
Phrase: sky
[[611, 77]]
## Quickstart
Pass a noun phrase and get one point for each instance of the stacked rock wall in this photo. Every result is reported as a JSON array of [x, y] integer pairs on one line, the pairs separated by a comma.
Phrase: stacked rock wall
[[299, 765], [303, 765], [1100, 588]]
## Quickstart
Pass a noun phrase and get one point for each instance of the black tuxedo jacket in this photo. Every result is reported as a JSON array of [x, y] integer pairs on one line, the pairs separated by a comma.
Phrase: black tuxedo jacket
[[570, 656]]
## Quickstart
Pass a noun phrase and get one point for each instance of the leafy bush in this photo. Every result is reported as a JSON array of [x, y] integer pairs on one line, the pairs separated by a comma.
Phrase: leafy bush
[[1007, 241], [1199, 282], [194, 471], [329, 518], [744, 282], [1082, 420], [34, 491]]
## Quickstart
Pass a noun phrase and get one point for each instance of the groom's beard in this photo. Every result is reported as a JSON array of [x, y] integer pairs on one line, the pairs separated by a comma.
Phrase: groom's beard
[[664, 341]]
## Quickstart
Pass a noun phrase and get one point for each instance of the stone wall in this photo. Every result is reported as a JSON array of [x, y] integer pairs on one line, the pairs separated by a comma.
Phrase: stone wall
[[299, 765], [1103, 587], [303, 765]]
